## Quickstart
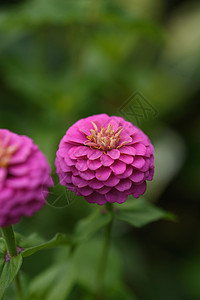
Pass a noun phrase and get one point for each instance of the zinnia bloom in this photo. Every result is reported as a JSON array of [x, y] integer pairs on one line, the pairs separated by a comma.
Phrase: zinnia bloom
[[24, 178], [105, 159]]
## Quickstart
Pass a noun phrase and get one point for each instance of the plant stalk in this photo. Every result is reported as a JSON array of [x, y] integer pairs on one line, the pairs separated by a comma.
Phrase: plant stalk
[[8, 235], [104, 255]]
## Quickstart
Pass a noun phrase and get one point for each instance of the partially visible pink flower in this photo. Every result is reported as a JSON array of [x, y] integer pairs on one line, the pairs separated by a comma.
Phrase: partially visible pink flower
[[105, 159], [24, 178]]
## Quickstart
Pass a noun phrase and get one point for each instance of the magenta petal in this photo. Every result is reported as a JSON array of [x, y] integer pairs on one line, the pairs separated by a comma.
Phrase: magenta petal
[[138, 162], [63, 165], [127, 173], [85, 191], [138, 190], [114, 153], [137, 138], [124, 140], [103, 173], [137, 176], [63, 151], [151, 162], [151, 173], [128, 159], [69, 161], [146, 165], [94, 154], [106, 160], [112, 181], [67, 178], [118, 167], [6, 194], [74, 135], [3, 173], [94, 164], [96, 198], [104, 190], [19, 170], [81, 151], [22, 153], [115, 196], [85, 127], [87, 175], [17, 182], [148, 152], [128, 150], [79, 182], [95, 184], [140, 149], [71, 152], [124, 185], [81, 165]]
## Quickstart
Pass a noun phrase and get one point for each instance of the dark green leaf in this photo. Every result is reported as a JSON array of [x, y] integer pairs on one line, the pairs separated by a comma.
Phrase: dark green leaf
[[139, 212], [10, 270], [86, 259], [87, 227], [58, 240], [54, 283], [2, 253]]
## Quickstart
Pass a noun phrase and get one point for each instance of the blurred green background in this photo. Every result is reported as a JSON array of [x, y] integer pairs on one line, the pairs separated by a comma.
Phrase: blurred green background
[[63, 60]]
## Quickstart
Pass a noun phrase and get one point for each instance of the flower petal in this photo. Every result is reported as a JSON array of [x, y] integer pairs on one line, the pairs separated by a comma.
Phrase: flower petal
[[103, 173], [94, 164], [114, 153], [127, 173], [127, 159], [85, 191], [81, 165], [140, 149], [94, 154], [106, 160], [137, 176], [112, 181], [87, 175], [96, 198], [138, 162], [115, 196], [95, 184], [128, 150], [118, 167], [124, 185]]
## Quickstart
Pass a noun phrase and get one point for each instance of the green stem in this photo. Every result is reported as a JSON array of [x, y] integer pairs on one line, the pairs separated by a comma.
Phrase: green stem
[[9, 237], [18, 287], [104, 255]]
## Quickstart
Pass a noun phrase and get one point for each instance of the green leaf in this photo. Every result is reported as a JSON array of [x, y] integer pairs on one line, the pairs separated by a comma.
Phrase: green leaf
[[10, 270], [58, 240], [87, 227], [139, 212], [54, 283], [2, 253], [86, 259]]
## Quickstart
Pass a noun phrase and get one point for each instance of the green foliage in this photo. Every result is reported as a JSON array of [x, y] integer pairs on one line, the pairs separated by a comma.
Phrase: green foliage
[[54, 283], [87, 227], [58, 240], [63, 60], [139, 212], [9, 271]]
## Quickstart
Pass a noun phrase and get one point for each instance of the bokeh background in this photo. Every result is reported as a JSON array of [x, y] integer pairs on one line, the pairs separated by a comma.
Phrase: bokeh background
[[63, 60]]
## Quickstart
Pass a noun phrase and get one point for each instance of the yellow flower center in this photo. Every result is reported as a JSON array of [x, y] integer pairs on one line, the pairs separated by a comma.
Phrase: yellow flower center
[[105, 139], [6, 153]]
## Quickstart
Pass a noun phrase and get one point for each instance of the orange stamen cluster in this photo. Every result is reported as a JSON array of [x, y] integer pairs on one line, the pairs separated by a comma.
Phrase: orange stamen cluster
[[106, 139], [6, 153]]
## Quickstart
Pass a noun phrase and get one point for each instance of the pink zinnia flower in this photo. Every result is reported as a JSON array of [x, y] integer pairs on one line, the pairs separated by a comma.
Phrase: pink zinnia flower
[[24, 178], [105, 159]]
